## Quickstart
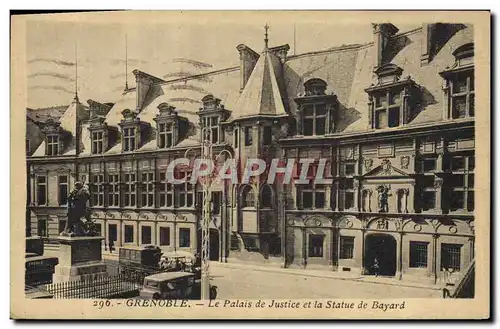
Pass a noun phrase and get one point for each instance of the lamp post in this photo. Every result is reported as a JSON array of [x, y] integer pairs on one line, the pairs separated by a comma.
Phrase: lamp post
[[206, 151]]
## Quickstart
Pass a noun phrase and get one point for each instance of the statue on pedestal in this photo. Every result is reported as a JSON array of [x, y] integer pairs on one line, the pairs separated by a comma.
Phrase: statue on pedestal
[[383, 198], [79, 222]]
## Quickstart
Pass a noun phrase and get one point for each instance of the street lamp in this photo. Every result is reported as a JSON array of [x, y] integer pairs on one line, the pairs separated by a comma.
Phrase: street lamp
[[206, 151]]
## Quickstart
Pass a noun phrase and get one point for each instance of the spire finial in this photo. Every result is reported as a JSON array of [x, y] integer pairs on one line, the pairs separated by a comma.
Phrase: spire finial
[[266, 40], [76, 72], [126, 63]]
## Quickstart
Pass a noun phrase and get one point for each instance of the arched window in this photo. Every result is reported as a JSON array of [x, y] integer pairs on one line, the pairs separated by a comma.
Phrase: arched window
[[266, 196], [247, 197]]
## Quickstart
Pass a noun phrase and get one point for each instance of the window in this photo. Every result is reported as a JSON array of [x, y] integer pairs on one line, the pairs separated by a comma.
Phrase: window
[[450, 256], [184, 237], [349, 169], [165, 135], [211, 129], [418, 254], [462, 183], [148, 192], [42, 228], [97, 142], [114, 191], [164, 236], [166, 192], [462, 95], [387, 109], [41, 190], [428, 198], [236, 138], [129, 190], [129, 234], [314, 119], [129, 139], [267, 136], [185, 194], [216, 202], [347, 187], [312, 196], [98, 228], [346, 247], [97, 190], [52, 144], [63, 190], [248, 197], [316, 245], [145, 234], [248, 136], [62, 225], [428, 165], [266, 197]]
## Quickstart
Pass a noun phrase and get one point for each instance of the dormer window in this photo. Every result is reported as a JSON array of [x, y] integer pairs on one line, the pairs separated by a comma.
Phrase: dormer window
[[54, 137], [391, 99], [316, 109], [134, 131], [170, 127], [129, 139], [52, 144], [459, 84], [212, 114], [100, 134]]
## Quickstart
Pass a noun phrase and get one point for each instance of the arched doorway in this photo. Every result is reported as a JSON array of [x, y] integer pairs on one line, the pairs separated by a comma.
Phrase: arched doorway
[[382, 247], [214, 244]]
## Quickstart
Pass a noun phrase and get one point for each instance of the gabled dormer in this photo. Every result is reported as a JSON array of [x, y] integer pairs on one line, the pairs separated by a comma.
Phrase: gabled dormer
[[170, 127], [101, 134], [392, 99], [134, 132], [143, 82], [55, 137], [458, 86], [316, 110], [212, 114]]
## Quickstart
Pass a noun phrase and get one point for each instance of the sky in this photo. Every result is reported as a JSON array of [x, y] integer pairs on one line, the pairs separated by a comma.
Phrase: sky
[[160, 45]]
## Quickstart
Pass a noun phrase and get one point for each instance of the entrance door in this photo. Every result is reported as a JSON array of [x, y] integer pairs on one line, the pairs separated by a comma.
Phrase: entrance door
[[112, 233], [382, 247]]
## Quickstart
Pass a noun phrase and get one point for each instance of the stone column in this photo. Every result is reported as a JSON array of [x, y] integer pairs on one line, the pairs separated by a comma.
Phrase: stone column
[[399, 273], [336, 195], [434, 257], [411, 198], [438, 184], [356, 194], [328, 196], [406, 192]]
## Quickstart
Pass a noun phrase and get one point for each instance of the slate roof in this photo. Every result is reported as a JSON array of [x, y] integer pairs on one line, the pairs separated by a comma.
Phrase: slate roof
[[272, 86]]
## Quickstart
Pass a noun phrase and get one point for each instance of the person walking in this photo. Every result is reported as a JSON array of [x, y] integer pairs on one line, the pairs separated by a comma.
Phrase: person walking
[[111, 246], [376, 266]]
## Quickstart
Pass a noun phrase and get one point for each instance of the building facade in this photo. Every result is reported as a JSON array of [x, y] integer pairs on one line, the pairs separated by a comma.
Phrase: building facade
[[393, 118]]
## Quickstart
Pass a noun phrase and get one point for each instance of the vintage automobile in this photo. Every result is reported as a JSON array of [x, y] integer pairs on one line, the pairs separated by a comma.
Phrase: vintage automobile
[[139, 261], [168, 285]]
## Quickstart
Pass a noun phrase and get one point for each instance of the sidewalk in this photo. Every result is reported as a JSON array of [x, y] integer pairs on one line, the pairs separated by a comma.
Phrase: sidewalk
[[327, 274]]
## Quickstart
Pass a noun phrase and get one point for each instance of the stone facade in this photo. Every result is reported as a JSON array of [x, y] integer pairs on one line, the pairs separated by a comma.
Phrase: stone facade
[[394, 119]]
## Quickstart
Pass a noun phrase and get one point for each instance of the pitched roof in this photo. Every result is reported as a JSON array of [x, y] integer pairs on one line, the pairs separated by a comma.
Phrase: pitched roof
[[42, 114], [262, 94]]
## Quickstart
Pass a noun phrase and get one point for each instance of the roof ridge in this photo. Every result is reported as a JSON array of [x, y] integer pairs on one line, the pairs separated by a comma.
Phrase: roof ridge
[[194, 76]]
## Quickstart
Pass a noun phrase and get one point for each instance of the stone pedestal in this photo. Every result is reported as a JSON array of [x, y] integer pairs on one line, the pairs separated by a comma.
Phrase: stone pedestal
[[79, 257]]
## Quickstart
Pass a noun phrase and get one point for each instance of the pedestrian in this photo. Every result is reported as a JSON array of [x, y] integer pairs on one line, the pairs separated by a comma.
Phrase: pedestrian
[[111, 246], [376, 266]]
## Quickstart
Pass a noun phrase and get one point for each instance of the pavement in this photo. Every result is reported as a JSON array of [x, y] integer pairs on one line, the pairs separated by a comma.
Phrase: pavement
[[234, 271]]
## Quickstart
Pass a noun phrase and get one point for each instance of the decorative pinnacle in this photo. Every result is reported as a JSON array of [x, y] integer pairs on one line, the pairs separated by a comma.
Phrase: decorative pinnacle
[[266, 40]]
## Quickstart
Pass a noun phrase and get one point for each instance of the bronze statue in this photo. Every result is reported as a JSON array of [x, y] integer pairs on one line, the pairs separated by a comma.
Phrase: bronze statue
[[78, 209]]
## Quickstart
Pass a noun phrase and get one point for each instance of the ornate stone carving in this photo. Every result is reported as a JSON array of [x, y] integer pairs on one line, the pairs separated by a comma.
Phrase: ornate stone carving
[[368, 164], [383, 198], [417, 227], [453, 229], [386, 167], [348, 223], [382, 224], [397, 224], [355, 183], [405, 162]]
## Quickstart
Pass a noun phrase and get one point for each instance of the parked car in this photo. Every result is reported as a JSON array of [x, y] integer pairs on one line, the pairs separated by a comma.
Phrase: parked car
[[168, 285], [139, 261]]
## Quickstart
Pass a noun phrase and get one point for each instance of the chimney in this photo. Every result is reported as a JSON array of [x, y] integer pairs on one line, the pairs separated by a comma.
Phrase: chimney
[[143, 83], [428, 33], [381, 35], [248, 59]]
